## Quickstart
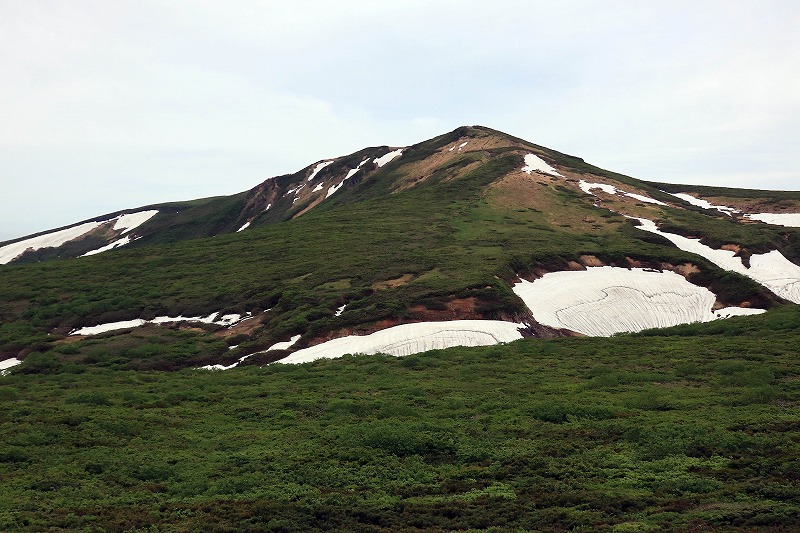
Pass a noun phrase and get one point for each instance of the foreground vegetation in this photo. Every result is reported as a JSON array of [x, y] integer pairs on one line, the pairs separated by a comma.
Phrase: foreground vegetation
[[693, 428]]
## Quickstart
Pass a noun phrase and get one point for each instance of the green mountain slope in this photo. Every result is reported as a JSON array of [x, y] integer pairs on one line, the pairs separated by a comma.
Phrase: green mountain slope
[[439, 233]]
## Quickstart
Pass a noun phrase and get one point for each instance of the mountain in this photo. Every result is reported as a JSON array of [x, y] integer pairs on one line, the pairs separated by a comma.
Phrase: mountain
[[582, 351], [473, 237]]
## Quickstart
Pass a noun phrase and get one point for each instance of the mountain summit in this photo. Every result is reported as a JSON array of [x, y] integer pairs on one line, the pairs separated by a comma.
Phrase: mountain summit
[[473, 237]]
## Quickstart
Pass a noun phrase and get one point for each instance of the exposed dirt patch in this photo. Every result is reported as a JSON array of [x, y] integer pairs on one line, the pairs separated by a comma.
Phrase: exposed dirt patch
[[591, 261], [456, 309], [391, 283], [732, 247], [246, 327], [686, 269]]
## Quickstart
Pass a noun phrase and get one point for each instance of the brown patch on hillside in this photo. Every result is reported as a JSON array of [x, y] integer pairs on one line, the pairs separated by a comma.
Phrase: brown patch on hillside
[[591, 261], [686, 269], [732, 247], [391, 283], [456, 309], [248, 326]]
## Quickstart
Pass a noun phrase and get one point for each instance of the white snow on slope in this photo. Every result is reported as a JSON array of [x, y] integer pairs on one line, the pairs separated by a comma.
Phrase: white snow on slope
[[109, 326], [790, 220], [57, 238], [534, 162], [382, 160], [133, 220], [225, 320], [319, 187], [462, 145], [340, 310], [116, 244], [601, 301], [407, 339], [277, 346], [610, 189], [8, 363], [350, 174], [244, 227], [728, 312], [771, 269], [319, 167], [705, 204]]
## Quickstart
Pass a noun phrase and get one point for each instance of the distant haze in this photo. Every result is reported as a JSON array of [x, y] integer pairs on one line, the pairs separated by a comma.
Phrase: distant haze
[[111, 105]]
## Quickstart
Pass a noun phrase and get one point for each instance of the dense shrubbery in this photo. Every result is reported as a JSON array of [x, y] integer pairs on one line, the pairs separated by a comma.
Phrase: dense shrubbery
[[688, 428]]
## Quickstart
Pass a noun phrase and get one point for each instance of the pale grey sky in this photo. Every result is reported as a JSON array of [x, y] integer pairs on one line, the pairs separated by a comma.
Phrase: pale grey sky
[[108, 105]]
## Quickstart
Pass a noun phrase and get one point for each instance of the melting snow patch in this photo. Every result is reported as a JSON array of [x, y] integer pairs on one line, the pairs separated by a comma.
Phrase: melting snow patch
[[110, 326], [407, 339], [728, 312], [534, 162], [268, 206], [11, 251], [705, 204], [382, 160], [116, 244], [319, 187], [8, 363], [350, 174], [225, 320], [610, 189], [601, 301], [790, 220], [462, 145], [277, 346], [133, 220], [340, 310], [244, 227], [771, 269], [319, 167]]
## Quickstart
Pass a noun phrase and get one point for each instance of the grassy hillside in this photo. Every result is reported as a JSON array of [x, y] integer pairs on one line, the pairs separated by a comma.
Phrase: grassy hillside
[[693, 428]]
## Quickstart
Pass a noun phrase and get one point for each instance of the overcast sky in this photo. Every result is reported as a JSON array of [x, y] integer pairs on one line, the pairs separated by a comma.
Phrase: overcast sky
[[108, 105]]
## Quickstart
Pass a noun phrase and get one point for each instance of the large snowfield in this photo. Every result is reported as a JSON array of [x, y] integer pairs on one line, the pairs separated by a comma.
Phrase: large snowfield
[[601, 301]]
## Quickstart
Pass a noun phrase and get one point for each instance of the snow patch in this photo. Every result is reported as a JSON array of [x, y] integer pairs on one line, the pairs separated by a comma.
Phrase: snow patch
[[534, 162], [382, 160], [728, 312], [462, 145], [133, 220], [588, 187], [319, 187], [601, 301], [789, 220], [268, 206], [225, 320], [277, 346], [319, 167], [771, 269], [340, 310], [109, 326], [116, 244], [244, 227], [350, 174], [8, 363], [50, 240], [408, 339], [705, 204]]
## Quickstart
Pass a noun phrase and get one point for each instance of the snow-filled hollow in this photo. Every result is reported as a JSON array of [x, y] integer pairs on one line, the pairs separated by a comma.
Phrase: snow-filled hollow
[[7, 364], [285, 345], [602, 301], [535, 163], [116, 244], [407, 339], [704, 204]]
